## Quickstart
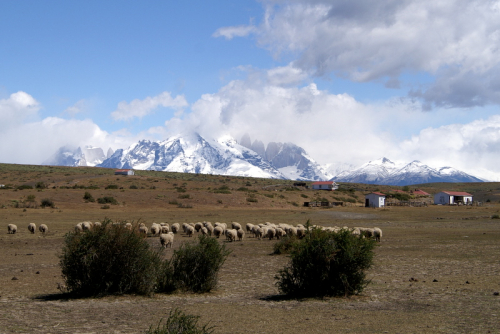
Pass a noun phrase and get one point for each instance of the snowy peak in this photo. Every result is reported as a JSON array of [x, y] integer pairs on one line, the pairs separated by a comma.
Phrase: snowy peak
[[383, 171], [88, 156]]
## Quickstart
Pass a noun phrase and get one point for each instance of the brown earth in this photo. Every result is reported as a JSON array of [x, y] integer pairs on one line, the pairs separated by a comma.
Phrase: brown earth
[[435, 271]]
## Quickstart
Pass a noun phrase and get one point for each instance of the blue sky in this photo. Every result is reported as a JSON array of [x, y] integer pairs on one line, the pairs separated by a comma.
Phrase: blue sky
[[350, 81]]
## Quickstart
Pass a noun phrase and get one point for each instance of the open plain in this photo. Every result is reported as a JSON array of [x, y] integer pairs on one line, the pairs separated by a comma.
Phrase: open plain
[[437, 269]]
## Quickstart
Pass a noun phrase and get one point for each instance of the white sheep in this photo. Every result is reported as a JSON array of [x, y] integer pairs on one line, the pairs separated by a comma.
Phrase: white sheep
[[87, 226], [165, 229], [175, 228], [128, 226], [11, 229], [377, 233], [43, 228], [259, 233], [271, 233], [241, 234], [189, 230], [204, 230], [78, 228], [218, 231], [210, 229], [249, 227], [155, 229], [97, 224], [143, 229], [167, 239], [235, 225], [32, 228], [231, 235], [198, 226]]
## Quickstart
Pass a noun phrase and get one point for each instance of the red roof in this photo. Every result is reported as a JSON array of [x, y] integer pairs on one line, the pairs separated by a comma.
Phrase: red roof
[[457, 193], [322, 182], [376, 193]]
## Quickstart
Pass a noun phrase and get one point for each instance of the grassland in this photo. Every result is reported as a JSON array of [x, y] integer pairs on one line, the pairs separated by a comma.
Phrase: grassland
[[436, 269]]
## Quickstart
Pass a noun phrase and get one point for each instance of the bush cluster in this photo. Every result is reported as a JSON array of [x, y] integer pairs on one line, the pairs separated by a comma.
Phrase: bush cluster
[[107, 200], [326, 263], [88, 197], [179, 322], [115, 260], [47, 202]]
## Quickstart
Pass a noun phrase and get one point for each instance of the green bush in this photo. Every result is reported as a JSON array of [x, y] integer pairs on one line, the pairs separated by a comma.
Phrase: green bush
[[108, 260], [88, 197], [107, 200], [222, 190], [47, 202], [495, 217], [195, 266], [111, 186], [252, 199], [133, 187], [180, 323], [185, 196], [40, 185], [285, 244], [24, 186], [325, 263]]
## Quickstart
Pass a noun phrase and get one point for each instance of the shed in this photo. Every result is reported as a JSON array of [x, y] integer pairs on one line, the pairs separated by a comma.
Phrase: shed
[[453, 197], [124, 172], [375, 200], [324, 185]]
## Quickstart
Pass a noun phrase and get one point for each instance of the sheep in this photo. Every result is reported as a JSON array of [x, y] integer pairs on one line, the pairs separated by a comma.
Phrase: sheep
[[32, 228], [198, 226], [143, 229], [11, 229], [164, 229], [210, 229], [249, 227], [189, 230], [366, 232], [175, 228], [43, 228], [204, 230], [292, 231], [236, 226], [87, 226], [155, 229], [231, 235], [167, 239], [218, 231], [377, 233], [97, 224], [301, 232], [241, 234], [79, 228], [271, 233], [259, 233], [128, 226], [279, 233]]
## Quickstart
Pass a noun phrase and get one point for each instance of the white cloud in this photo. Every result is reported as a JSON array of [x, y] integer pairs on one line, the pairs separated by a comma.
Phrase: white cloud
[[77, 108], [16, 109], [456, 41], [236, 31], [140, 108]]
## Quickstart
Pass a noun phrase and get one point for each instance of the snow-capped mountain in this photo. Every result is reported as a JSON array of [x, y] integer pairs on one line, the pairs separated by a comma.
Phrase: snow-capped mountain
[[88, 156], [385, 172]]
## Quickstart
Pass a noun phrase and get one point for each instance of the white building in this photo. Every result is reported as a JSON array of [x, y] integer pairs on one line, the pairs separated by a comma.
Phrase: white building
[[452, 197], [124, 172], [324, 185], [375, 200]]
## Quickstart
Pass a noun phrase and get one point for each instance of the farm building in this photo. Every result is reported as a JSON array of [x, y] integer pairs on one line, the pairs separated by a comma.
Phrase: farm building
[[452, 197], [324, 185], [124, 172], [375, 200]]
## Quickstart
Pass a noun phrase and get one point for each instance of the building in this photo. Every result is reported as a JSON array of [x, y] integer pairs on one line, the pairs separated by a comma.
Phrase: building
[[375, 200], [324, 185], [453, 197], [124, 172]]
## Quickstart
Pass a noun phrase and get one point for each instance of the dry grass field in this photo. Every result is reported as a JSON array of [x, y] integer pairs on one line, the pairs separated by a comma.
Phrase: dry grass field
[[436, 270]]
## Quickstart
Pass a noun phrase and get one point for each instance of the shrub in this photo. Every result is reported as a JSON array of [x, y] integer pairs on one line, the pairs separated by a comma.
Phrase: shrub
[[495, 217], [107, 200], [222, 190], [185, 196], [173, 202], [88, 197], [285, 244], [304, 195], [133, 187], [40, 185], [24, 186], [47, 202], [242, 189], [269, 195], [111, 186], [195, 266], [179, 322], [108, 260], [325, 263]]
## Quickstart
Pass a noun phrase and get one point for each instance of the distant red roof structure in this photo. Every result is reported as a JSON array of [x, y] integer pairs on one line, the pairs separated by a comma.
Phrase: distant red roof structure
[[322, 182], [420, 192], [457, 193], [377, 193]]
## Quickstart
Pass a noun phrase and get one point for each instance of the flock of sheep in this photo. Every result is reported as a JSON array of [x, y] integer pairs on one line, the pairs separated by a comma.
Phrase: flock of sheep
[[12, 228], [268, 230]]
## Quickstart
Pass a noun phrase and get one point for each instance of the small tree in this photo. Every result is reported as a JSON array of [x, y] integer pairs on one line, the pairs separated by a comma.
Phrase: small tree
[[195, 266], [88, 197], [109, 260], [327, 264], [179, 322]]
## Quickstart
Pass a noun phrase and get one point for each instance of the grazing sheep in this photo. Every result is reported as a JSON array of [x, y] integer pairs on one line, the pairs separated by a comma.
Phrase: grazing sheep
[[204, 230], [79, 228], [97, 224], [198, 226], [249, 227], [210, 229], [165, 229], [11, 229], [175, 228], [231, 235], [366, 232], [155, 229], [259, 233], [167, 239], [87, 226], [377, 233], [143, 229], [128, 226], [292, 231], [189, 230], [236, 226], [43, 228], [32, 228], [301, 232], [271, 233], [279, 232], [218, 231], [241, 234]]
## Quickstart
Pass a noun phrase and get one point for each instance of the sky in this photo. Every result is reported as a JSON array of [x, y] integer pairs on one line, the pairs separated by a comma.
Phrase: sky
[[349, 81]]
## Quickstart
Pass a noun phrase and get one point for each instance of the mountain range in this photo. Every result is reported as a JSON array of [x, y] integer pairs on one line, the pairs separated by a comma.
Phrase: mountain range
[[192, 153]]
